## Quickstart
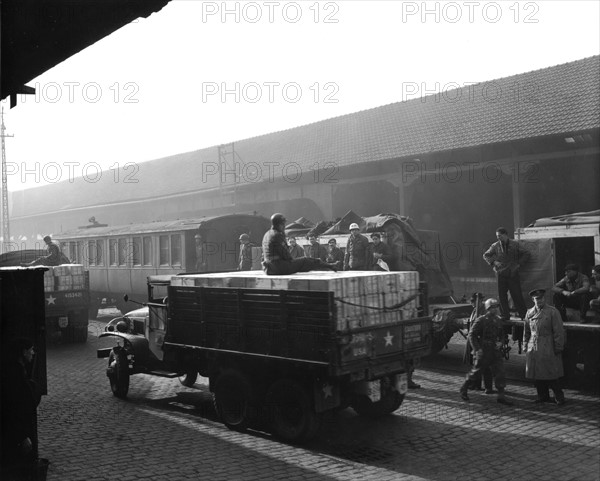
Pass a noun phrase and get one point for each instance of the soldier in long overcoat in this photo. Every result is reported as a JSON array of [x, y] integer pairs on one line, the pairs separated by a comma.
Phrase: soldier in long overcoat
[[544, 340]]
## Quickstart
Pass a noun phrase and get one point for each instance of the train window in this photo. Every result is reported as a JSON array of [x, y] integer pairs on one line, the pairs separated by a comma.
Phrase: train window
[[163, 246], [76, 252], [91, 253], [176, 250], [136, 255], [123, 252], [112, 250], [100, 253], [147, 254]]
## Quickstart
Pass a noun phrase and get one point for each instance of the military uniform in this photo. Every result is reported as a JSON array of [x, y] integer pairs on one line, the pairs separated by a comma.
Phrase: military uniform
[[335, 256], [486, 336], [544, 340], [316, 251], [511, 256], [245, 257], [277, 259], [357, 253]]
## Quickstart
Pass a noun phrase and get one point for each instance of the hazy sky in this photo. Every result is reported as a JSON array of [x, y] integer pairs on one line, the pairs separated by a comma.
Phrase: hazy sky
[[198, 74]]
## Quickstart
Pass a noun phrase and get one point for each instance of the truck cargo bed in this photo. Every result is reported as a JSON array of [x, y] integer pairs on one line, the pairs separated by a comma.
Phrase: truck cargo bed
[[298, 325]]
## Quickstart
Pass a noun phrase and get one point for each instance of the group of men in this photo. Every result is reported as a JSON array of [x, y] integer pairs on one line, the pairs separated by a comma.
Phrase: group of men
[[543, 336], [360, 254]]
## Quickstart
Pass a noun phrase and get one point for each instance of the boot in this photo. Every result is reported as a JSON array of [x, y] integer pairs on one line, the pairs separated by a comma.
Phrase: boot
[[464, 389], [543, 395], [559, 395], [502, 399]]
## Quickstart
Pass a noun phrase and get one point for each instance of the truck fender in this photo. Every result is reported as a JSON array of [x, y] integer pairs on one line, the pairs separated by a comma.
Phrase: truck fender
[[134, 344]]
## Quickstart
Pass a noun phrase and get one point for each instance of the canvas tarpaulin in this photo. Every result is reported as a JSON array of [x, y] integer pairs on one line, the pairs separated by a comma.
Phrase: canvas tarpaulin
[[414, 250], [592, 217]]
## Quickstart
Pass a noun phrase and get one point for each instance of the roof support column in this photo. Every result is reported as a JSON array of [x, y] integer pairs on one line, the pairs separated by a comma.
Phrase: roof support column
[[517, 197]]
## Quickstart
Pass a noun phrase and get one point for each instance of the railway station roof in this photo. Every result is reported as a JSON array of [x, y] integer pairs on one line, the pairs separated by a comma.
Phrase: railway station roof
[[39, 34], [554, 101]]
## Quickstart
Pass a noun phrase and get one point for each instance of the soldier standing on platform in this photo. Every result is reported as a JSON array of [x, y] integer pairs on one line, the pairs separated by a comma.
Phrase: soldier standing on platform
[[357, 251], [506, 256], [486, 337], [245, 253]]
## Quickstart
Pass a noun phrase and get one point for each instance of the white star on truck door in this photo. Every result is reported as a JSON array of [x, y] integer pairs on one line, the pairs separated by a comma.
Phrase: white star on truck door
[[388, 339], [51, 299]]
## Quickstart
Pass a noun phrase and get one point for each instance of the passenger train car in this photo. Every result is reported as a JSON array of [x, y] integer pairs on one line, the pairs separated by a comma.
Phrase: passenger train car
[[120, 258]]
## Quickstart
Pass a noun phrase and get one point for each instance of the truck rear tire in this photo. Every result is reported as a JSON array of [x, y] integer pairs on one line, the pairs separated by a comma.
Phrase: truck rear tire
[[232, 399], [118, 372], [389, 402], [292, 415]]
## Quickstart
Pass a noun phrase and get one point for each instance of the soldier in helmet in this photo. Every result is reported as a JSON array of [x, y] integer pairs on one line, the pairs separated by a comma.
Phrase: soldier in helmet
[[246, 246], [277, 259], [486, 336], [357, 256]]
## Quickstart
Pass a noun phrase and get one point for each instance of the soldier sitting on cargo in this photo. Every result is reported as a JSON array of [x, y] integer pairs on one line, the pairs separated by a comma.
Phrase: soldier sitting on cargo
[[335, 255], [277, 259], [54, 254], [295, 249], [315, 249], [572, 291]]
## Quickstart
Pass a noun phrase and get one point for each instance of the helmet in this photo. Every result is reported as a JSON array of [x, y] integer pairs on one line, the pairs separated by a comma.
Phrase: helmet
[[277, 219], [244, 237], [491, 303], [353, 226]]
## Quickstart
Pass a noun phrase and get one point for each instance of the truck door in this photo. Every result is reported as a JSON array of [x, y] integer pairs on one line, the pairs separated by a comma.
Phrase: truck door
[[157, 324], [540, 271]]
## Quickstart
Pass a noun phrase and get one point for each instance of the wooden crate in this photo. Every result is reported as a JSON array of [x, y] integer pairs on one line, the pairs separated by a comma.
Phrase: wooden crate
[[355, 292]]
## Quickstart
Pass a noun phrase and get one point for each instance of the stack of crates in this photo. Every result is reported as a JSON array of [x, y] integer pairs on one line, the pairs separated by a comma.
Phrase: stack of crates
[[360, 296], [65, 277]]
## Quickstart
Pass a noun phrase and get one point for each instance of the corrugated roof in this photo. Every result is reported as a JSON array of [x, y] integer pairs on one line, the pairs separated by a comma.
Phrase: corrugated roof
[[549, 101]]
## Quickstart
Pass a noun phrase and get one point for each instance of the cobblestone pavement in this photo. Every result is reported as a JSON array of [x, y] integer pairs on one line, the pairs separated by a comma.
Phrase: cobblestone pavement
[[165, 431]]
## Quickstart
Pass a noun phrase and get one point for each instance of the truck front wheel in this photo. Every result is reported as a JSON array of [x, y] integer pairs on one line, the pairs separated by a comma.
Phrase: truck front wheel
[[390, 401], [292, 416], [118, 372], [232, 399]]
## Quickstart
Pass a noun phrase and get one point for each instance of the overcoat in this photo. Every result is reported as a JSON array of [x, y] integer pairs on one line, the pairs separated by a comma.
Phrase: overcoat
[[545, 338]]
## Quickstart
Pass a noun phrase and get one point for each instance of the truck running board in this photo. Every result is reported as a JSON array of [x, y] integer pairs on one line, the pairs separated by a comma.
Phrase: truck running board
[[160, 373]]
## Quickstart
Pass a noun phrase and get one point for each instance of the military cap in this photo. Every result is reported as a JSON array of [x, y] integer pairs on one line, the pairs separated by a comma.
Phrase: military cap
[[244, 237], [572, 267], [537, 292], [353, 226]]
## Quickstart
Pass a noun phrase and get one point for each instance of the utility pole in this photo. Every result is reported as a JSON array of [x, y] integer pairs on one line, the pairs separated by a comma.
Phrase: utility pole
[[4, 200]]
